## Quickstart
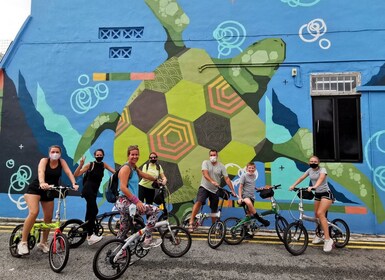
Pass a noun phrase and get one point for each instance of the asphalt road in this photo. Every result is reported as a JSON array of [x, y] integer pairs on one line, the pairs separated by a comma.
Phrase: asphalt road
[[262, 258]]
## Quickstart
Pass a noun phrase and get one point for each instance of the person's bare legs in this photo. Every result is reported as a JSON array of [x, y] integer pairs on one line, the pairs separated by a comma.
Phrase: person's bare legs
[[48, 212], [32, 201]]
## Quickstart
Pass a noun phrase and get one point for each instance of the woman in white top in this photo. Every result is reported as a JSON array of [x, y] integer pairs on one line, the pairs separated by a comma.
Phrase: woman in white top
[[324, 198]]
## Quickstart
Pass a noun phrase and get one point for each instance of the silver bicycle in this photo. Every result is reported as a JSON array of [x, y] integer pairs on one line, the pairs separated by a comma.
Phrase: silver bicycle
[[114, 257], [296, 237]]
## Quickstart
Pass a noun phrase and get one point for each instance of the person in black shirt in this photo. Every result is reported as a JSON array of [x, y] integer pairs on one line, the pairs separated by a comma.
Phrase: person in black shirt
[[95, 173], [49, 172]]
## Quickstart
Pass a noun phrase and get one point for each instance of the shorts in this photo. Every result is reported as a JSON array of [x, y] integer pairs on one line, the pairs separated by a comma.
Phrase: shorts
[[44, 195], [327, 195], [202, 196]]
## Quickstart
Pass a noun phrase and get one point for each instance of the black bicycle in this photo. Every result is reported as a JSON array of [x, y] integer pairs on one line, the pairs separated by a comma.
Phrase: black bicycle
[[76, 229]]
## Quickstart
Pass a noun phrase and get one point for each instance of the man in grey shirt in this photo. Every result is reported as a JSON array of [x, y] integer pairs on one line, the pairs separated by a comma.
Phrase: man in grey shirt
[[212, 171]]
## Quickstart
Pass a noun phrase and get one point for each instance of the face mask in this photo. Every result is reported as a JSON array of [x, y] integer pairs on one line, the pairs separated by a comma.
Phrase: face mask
[[313, 165], [153, 160], [54, 156], [99, 159], [213, 159]]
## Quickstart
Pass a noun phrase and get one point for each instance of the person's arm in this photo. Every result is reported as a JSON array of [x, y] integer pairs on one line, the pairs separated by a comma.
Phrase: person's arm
[[67, 171], [162, 176], [41, 173], [230, 184], [299, 180], [240, 190], [145, 175], [81, 167], [124, 174], [109, 168]]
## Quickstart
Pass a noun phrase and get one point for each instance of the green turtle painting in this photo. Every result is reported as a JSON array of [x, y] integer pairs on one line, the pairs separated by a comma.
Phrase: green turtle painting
[[199, 103]]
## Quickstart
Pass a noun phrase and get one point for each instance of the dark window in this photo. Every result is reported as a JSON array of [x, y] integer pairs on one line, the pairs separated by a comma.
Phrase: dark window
[[337, 128]]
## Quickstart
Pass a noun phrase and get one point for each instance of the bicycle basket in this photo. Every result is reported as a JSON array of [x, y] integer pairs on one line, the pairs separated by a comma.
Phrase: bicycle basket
[[266, 193], [224, 194], [306, 195]]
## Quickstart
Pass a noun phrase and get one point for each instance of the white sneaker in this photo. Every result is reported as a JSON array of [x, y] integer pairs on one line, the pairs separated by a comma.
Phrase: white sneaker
[[94, 239], [43, 247], [151, 243], [328, 245], [22, 248], [317, 240]]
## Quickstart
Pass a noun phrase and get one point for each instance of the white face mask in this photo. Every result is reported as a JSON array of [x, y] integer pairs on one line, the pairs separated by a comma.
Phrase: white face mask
[[213, 159], [54, 156]]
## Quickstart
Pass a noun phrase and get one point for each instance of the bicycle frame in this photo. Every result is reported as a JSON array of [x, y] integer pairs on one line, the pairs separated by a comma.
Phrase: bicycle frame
[[134, 238], [304, 217], [41, 226]]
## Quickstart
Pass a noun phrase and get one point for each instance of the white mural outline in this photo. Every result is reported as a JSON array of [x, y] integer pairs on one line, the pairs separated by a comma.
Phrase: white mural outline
[[379, 171], [18, 181], [230, 35], [300, 3], [316, 28], [87, 98]]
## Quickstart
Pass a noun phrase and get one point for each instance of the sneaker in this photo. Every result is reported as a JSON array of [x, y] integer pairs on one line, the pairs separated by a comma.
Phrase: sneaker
[[264, 222], [328, 245], [247, 218], [317, 240], [151, 243], [94, 239], [22, 248], [43, 247], [249, 236]]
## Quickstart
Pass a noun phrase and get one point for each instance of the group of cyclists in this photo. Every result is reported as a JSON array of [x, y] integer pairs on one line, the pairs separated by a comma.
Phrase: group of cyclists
[[136, 187]]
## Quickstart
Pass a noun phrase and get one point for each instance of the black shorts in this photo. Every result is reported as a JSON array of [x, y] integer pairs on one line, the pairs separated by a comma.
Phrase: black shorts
[[328, 195], [44, 195], [202, 196]]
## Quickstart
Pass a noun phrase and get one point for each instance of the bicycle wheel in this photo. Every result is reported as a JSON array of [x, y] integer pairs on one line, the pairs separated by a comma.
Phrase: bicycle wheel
[[216, 234], [177, 242], [280, 226], [340, 235], [103, 263], [295, 238], [14, 240], [59, 252], [186, 221], [76, 234], [114, 223], [172, 220], [234, 234]]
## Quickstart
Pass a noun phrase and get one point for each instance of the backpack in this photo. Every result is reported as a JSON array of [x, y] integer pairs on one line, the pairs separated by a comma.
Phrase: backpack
[[86, 174], [112, 190]]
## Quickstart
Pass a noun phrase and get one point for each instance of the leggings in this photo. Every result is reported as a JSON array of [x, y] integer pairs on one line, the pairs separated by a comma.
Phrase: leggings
[[122, 204], [91, 212]]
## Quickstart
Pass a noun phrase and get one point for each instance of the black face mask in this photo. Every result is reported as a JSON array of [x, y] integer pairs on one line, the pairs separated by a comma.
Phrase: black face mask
[[313, 165], [99, 159], [153, 160]]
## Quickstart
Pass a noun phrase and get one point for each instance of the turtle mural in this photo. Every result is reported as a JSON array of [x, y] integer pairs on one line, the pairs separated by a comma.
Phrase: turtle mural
[[196, 103]]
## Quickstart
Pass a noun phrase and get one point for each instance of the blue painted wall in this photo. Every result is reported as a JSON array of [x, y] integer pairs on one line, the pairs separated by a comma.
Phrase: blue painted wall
[[49, 95]]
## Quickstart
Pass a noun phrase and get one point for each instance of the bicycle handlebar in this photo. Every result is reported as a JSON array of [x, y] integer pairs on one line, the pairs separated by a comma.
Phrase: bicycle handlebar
[[58, 188], [274, 187], [296, 189]]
